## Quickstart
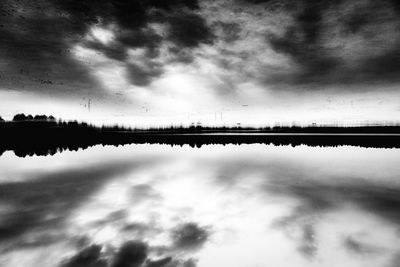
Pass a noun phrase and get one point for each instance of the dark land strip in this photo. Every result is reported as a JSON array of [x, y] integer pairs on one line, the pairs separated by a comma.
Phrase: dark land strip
[[48, 138]]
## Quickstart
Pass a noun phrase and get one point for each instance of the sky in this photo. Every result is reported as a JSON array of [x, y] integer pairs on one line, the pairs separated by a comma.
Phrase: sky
[[215, 62]]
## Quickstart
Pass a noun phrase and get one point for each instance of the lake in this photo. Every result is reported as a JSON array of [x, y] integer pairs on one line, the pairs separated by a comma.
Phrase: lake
[[235, 205]]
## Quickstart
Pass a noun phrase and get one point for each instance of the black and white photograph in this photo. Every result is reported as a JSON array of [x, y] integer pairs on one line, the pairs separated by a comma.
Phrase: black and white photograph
[[199, 133]]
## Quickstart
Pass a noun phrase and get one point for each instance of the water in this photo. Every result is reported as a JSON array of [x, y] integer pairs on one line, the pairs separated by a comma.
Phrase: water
[[236, 206]]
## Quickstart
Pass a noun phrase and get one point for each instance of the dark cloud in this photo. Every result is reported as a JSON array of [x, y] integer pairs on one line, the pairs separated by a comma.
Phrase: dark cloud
[[189, 236], [315, 63], [356, 21], [272, 5], [143, 75], [131, 254], [186, 30], [301, 42], [113, 51], [189, 30], [230, 31], [141, 38], [181, 55], [258, 1], [36, 49], [37, 38]]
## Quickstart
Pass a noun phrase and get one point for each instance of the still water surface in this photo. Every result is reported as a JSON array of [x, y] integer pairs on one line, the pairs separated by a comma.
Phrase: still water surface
[[236, 206]]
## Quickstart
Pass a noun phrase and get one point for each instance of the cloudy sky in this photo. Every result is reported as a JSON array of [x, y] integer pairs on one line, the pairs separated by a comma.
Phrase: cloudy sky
[[151, 62]]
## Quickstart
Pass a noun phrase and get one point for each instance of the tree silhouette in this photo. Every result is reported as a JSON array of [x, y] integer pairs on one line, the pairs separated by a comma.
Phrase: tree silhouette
[[23, 117], [19, 117], [1, 119], [40, 118], [44, 135]]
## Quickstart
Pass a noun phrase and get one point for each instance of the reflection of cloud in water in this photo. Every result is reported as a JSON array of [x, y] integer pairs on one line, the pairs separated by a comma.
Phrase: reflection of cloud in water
[[314, 197], [308, 246], [131, 254], [88, 257], [355, 245], [189, 236], [144, 192], [233, 206], [46, 201]]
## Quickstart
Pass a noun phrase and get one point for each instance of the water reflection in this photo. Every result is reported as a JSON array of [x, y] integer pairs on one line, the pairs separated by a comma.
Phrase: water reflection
[[154, 205]]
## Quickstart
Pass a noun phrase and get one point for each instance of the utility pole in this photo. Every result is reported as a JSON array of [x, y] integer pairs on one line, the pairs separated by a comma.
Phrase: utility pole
[[89, 104]]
